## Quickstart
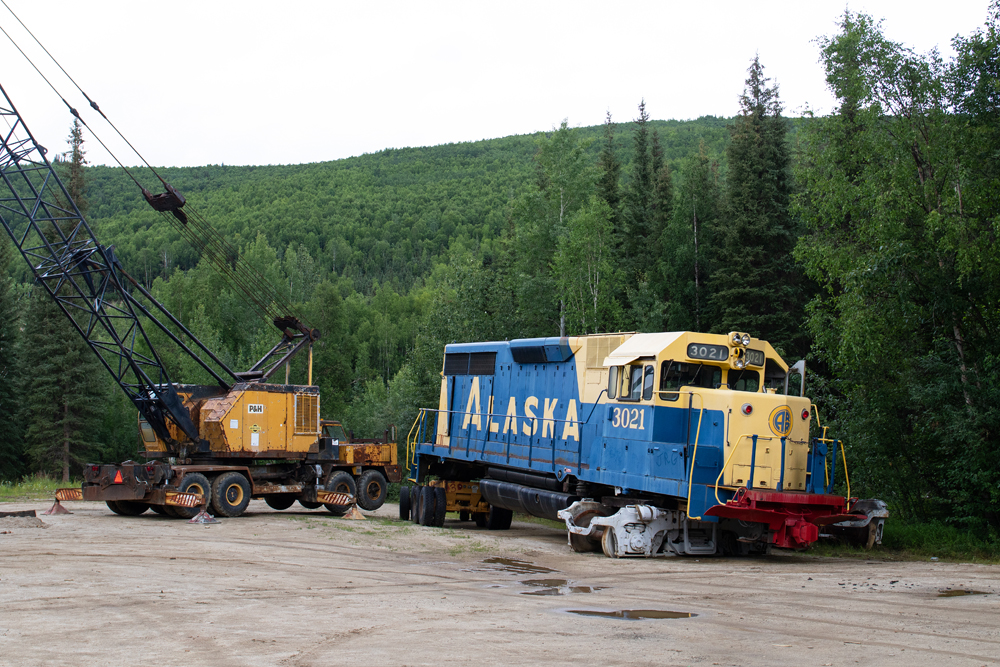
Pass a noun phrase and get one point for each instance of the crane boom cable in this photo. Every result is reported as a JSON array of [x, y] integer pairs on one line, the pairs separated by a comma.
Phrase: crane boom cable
[[206, 240], [93, 104]]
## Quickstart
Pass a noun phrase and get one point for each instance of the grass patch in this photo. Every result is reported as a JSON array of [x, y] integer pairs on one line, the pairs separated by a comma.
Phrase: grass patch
[[527, 518], [902, 540], [33, 488]]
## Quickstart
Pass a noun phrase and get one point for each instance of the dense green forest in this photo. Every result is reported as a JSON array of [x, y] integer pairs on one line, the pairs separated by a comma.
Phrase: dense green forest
[[864, 241]]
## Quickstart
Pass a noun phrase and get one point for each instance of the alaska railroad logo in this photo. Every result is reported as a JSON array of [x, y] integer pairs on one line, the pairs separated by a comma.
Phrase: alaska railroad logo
[[780, 420]]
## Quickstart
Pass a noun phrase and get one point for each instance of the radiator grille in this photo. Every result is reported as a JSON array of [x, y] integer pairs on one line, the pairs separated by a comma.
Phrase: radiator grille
[[306, 413]]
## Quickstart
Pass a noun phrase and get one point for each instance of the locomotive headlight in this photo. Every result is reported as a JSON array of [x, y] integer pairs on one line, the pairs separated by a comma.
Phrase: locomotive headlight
[[745, 340], [736, 338]]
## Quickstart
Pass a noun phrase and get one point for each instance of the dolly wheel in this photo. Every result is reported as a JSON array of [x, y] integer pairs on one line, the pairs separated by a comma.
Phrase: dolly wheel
[[127, 507], [440, 506], [404, 503], [416, 503], [499, 518], [309, 504], [230, 494], [427, 502]]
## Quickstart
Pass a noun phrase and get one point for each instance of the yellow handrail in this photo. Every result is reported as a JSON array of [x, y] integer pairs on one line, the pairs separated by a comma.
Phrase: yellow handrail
[[411, 441], [697, 435], [730, 458], [843, 454]]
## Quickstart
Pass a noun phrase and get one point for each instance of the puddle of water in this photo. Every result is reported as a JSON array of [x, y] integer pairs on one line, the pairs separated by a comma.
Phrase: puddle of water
[[633, 614], [517, 566], [959, 593], [545, 583], [564, 590]]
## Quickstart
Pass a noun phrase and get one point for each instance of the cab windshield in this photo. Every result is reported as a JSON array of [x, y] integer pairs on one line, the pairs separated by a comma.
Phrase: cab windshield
[[335, 431]]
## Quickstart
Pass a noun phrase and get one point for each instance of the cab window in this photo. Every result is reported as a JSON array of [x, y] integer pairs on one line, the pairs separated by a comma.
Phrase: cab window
[[335, 431], [676, 375], [636, 383], [745, 380]]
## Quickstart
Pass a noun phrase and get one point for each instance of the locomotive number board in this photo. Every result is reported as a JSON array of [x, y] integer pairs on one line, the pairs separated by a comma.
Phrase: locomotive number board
[[710, 352]]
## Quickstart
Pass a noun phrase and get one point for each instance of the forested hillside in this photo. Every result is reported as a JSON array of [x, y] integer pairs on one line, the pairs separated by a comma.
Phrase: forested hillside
[[864, 240]]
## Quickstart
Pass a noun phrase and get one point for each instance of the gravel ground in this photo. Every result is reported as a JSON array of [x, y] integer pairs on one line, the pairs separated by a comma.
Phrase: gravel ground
[[304, 588]]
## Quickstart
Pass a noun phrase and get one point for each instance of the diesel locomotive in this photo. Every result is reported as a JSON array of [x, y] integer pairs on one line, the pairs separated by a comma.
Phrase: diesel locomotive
[[644, 444]]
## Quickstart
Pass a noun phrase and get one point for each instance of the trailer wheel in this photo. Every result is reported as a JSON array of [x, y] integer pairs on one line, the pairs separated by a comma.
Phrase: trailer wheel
[[372, 489], [499, 518], [440, 506], [159, 509], [279, 501], [416, 503], [341, 482], [404, 503], [480, 518], [230, 494], [464, 515], [170, 512], [309, 504], [427, 497], [193, 482]]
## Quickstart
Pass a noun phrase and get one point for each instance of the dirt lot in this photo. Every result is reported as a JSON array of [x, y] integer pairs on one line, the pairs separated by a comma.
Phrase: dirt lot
[[304, 588]]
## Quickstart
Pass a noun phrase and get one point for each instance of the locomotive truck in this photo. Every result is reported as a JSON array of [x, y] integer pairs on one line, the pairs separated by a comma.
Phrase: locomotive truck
[[644, 444], [244, 436]]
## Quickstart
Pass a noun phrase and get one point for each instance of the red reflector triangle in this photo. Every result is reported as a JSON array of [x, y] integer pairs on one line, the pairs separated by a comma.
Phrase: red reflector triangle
[[118, 477]]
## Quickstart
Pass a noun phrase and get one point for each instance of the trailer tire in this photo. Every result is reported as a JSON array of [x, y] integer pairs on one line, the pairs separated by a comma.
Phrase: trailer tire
[[372, 489], [170, 512], [416, 503], [159, 509], [440, 506], [404, 503], [193, 482], [427, 497], [480, 518], [280, 501], [341, 482], [464, 515], [230, 494], [309, 504], [499, 518]]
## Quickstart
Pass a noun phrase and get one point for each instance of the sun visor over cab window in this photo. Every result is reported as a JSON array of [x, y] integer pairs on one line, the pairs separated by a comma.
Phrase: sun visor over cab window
[[540, 350]]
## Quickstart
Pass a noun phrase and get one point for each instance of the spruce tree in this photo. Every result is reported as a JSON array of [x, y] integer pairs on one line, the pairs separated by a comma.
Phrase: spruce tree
[[11, 444], [608, 184], [639, 197], [61, 409], [687, 243], [755, 286], [63, 393]]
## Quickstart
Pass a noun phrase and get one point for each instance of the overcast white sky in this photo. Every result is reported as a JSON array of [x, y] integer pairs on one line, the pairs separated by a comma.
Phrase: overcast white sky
[[219, 81]]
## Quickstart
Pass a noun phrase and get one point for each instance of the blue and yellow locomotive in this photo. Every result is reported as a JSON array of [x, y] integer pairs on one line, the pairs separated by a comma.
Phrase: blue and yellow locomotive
[[644, 444]]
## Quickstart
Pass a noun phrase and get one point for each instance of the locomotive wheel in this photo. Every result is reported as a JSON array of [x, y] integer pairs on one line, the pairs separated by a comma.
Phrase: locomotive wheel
[[427, 503], [309, 505], [584, 543], [193, 482], [279, 501], [341, 482], [440, 506], [609, 542], [404, 503], [230, 494], [499, 518], [372, 489]]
